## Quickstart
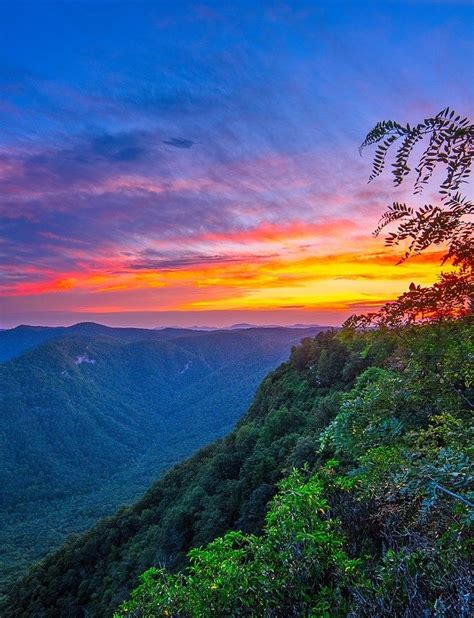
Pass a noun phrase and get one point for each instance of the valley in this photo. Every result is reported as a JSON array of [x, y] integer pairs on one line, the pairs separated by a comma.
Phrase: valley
[[92, 415]]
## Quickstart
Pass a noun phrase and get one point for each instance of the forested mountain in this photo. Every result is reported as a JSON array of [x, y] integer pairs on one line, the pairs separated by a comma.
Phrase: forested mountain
[[375, 524], [15, 341], [92, 416]]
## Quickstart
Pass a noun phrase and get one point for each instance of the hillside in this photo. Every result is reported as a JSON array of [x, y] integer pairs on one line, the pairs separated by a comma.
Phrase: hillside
[[397, 408], [91, 417], [368, 406]]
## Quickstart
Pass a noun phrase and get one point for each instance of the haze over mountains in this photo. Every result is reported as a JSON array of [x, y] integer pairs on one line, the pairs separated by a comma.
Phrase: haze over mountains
[[91, 415], [242, 325]]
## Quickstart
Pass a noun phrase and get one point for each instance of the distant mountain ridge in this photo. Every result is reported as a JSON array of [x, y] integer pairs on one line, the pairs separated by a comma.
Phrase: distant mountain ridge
[[241, 326], [15, 341], [246, 325]]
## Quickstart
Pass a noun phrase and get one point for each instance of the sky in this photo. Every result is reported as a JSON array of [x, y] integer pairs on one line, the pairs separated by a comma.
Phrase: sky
[[196, 163]]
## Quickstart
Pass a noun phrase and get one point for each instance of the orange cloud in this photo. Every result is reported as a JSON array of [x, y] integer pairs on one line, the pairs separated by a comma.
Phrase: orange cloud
[[333, 282], [271, 232]]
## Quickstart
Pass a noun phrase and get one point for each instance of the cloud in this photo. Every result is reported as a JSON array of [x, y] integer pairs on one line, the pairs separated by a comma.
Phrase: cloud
[[82, 163], [121, 147], [179, 142], [195, 260]]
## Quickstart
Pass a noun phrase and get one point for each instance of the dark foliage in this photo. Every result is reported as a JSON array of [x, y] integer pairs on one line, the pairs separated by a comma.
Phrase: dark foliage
[[448, 143]]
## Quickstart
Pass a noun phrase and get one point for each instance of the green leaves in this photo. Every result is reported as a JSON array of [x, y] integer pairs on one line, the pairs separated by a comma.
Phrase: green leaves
[[283, 572]]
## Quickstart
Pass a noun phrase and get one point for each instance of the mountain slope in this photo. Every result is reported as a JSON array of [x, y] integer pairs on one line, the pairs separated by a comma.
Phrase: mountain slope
[[379, 526], [387, 411], [88, 422], [224, 485]]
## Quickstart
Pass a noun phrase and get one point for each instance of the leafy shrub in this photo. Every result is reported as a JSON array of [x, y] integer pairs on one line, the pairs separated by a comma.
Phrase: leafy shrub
[[298, 566]]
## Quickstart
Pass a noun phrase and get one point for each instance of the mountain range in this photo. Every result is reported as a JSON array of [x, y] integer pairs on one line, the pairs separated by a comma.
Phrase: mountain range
[[92, 415]]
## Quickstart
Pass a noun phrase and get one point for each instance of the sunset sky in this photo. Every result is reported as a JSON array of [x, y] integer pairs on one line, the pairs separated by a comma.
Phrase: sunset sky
[[183, 163]]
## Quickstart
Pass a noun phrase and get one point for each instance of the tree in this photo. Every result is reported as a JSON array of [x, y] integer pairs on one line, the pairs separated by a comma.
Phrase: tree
[[448, 143]]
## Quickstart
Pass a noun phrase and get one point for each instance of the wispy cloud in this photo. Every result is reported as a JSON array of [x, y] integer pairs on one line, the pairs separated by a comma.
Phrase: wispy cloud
[[179, 142]]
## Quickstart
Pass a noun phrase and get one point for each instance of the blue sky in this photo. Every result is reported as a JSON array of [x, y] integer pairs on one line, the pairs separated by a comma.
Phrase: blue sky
[[197, 144]]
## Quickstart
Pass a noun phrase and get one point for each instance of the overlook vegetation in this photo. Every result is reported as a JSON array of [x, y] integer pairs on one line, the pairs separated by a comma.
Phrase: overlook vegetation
[[372, 529]]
